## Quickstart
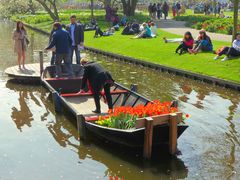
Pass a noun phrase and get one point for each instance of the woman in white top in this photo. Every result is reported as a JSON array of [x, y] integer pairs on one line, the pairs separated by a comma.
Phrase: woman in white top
[[154, 29], [233, 51]]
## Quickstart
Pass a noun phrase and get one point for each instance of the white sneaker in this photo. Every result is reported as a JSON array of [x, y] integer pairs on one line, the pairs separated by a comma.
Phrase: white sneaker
[[216, 58], [225, 59]]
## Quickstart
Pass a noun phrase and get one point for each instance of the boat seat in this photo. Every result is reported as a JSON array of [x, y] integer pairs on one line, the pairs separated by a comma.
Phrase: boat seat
[[116, 92], [62, 78]]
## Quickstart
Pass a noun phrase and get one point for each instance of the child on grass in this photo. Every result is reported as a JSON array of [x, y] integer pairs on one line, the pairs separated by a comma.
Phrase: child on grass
[[233, 51], [186, 44]]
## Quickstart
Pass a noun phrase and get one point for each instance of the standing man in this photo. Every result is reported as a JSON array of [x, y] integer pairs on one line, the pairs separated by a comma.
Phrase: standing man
[[98, 79], [61, 40], [178, 8], [76, 31]]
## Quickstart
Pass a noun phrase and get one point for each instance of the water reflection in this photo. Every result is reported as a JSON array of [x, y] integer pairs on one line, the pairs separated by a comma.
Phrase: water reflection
[[23, 115]]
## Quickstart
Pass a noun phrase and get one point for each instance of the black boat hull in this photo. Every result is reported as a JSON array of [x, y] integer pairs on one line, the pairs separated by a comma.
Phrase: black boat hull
[[133, 138]]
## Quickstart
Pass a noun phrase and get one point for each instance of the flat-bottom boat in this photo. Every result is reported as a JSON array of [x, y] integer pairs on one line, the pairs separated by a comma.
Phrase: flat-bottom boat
[[82, 104]]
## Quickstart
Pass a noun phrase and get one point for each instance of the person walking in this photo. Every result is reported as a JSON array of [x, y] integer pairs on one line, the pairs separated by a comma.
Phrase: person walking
[[150, 10], [98, 79], [174, 10], [154, 11], [159, 10], [20, 43], [76, 31], [178, 8], [62, 41], [165, 10]]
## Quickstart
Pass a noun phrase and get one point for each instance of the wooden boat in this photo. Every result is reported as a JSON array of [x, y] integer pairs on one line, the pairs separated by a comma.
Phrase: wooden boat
[[65, 90]]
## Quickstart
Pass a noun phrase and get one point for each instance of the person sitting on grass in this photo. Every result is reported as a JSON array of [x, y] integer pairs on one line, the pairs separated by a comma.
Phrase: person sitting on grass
[[186, 44], [100, 33], [135, 27], [123, 21], [128, 30], [233, 51], [154, 29], [146, 33], [204, 43]]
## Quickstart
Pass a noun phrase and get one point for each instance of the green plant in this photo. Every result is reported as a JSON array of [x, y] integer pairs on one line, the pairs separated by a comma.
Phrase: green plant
[[211, 28], [122, 121]]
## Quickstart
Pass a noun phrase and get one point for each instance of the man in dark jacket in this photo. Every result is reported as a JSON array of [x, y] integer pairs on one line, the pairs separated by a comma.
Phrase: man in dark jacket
[[53, 58], [61, 40], [76, 31], [98, 78]]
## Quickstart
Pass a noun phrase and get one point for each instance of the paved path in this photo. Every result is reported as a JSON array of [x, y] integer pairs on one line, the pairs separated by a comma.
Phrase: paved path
[[179, 28]]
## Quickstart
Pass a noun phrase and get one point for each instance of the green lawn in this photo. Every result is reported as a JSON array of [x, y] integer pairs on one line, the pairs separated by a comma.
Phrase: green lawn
[[153, 50]]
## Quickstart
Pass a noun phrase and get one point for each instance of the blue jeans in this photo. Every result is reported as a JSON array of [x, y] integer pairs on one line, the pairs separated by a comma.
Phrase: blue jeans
[[67, 63], [53, 58], [77, 53]]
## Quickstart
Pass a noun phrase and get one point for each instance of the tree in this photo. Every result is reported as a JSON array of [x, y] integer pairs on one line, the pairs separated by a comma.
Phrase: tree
[[50, 7], [129, 7], [235, 18], [11, 7]]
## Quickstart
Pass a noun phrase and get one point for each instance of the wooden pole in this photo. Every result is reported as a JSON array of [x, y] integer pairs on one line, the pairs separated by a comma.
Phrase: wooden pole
[[41, 61], [173, 134], [81, 127], [57, 103], [147, 148]]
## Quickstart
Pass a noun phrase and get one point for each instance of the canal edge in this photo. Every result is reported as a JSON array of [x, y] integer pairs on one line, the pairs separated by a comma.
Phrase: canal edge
[[191, 75]]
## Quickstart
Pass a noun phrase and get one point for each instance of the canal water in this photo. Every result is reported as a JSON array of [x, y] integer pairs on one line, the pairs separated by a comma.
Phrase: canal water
[[35, 143]]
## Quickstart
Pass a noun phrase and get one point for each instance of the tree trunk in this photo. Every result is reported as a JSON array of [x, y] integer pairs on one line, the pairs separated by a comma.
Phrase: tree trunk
[[92, 4], [31, 7], [235, 18], [129, 7], [53, 14]]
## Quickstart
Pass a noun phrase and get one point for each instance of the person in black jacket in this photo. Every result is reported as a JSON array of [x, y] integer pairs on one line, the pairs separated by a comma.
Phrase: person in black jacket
[[53, 58], [76, 31], [98, 79], [61, 40]]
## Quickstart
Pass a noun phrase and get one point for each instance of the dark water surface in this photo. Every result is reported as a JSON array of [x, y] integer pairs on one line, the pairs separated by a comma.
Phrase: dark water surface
[[35, 143]]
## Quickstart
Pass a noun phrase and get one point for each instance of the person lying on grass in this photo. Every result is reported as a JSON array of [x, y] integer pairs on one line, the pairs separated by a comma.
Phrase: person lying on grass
[[146, 33], [203, 43], [233, 51], [186, 44], [100, 33]]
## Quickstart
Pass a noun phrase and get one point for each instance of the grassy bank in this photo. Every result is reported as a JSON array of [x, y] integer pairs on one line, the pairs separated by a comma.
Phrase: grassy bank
[[156, 51]]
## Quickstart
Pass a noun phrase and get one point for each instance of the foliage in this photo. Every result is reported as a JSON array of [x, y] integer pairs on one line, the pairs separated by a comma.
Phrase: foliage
[[11, 7], [192, 20], [84, 16], [210, 23], [122, 121]]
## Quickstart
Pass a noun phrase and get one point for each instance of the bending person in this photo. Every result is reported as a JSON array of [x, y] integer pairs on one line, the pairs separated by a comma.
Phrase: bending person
[[99, 79], [233, 51]]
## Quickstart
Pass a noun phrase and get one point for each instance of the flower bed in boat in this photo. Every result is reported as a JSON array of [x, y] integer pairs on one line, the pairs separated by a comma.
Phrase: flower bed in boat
[[126, 117]]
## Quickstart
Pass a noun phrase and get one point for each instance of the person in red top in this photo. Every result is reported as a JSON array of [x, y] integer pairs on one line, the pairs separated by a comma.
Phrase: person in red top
[[186, 44]]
